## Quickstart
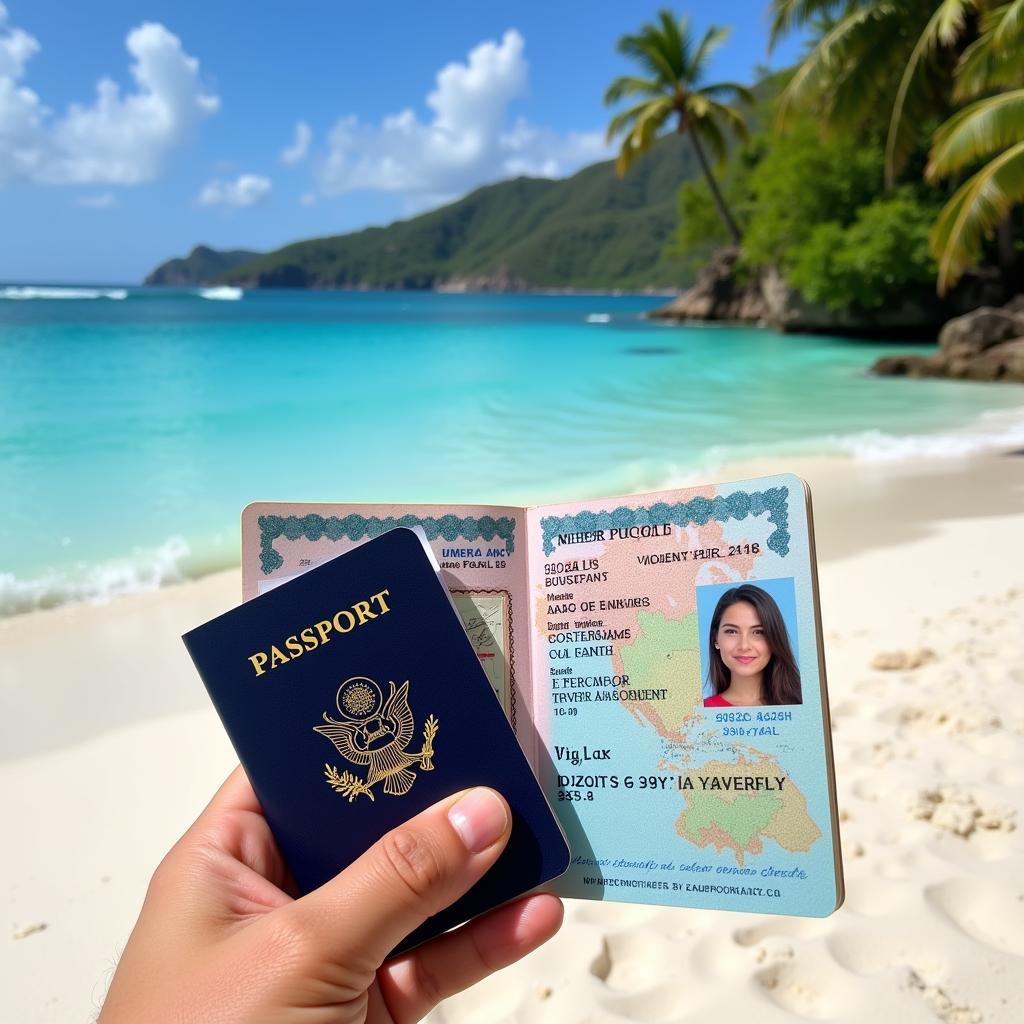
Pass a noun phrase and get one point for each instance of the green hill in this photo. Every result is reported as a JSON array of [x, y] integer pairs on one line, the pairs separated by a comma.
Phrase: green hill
[[200, 266], [592, 230]]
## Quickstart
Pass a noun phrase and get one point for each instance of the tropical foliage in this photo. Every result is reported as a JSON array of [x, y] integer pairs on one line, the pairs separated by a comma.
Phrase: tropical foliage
[[900, 71], [879, 259], [819, 212], [990, 128], [674, 95], [881, 64]]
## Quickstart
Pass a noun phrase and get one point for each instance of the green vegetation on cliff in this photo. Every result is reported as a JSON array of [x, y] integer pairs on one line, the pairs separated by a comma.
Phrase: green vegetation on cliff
[[820, 212], [592, 230]]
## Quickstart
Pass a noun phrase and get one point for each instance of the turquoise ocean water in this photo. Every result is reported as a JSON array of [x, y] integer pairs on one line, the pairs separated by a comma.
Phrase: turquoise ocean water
[[135, 424]]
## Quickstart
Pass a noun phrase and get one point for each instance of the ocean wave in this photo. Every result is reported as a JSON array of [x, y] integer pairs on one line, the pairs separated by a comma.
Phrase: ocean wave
[[32, 291], [224, 293], [146, 569], [598, 318], [991, 431]]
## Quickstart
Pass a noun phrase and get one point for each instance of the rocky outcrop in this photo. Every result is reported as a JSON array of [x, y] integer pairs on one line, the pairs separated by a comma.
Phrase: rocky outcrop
[[985, 344], [718, 294], [724, 290], [500, 280], [971, 334]]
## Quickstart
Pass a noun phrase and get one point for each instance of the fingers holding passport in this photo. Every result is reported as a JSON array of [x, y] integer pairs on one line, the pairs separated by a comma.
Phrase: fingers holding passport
[[408, 875], [216, 911], [413, 984]]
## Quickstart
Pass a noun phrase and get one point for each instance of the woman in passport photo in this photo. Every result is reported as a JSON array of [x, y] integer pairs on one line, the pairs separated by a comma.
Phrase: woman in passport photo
[[750, 660]]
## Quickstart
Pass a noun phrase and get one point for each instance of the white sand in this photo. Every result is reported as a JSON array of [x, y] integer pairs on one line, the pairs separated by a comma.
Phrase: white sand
[[110, 749]]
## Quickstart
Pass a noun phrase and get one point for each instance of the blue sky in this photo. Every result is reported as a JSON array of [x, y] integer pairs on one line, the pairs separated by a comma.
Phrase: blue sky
[[130, 131]]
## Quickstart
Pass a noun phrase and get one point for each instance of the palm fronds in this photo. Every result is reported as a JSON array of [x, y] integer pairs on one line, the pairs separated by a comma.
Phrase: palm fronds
[[917, 92], [974, 213], [985, 127]]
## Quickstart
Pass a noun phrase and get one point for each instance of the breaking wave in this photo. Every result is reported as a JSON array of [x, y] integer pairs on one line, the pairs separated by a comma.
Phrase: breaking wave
[[146, 569], [32, 291], [991, 431], [224, 293]]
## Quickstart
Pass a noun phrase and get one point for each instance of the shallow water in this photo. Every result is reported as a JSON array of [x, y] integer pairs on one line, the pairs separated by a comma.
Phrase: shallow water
[[136, 423]]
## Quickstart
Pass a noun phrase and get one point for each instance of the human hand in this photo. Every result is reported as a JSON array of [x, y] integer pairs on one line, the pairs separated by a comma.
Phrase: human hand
[[221, 937]]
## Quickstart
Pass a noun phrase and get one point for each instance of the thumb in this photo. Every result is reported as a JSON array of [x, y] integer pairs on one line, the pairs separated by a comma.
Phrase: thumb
[[408, 875]]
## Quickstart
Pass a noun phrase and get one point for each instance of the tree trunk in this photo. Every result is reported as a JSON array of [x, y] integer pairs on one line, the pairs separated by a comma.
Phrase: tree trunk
[[1005, 242], [723, 209]]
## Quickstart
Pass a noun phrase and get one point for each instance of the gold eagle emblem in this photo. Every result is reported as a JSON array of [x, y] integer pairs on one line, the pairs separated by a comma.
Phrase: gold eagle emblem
[[375, 732]]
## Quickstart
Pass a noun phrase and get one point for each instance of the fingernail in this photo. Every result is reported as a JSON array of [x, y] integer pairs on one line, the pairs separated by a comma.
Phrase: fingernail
[[479, 817]]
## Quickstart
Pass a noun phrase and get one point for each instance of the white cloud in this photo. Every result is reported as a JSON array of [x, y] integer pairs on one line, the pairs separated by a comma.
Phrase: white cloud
[[102, 201], [245, 190], [468, 140], [16, 47], [119, 138], [296, 152]]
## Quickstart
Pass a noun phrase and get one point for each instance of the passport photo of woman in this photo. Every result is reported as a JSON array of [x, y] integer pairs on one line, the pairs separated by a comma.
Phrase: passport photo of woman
[[750, 659]]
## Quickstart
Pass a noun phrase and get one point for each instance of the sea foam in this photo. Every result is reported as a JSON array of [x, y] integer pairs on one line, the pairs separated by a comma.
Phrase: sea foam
[[992, 430], [146, 569], [32, 291], [224, 293]]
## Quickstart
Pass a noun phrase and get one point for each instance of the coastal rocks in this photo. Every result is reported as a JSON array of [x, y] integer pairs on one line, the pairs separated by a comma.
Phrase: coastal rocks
[[1001, 362], [971, 334], [718, 294], [788, 311], [726, 290], [499, 280], [986, 344]]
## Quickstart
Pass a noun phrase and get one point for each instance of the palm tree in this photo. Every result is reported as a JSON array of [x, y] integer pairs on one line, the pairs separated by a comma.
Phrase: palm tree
[[674, 94], [918, 59], [877, 59], [990, 127]]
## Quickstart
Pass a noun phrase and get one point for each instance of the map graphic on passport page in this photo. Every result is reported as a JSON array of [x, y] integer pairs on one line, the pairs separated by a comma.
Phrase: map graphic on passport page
[[659, 657]]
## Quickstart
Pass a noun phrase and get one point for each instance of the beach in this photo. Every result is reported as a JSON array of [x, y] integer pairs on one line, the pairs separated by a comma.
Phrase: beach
[[111, 749]]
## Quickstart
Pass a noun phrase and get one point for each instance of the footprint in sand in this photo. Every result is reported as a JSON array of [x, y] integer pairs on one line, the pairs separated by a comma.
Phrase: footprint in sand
[[902, 661], [640, 970], [1006, 775], [666, 1002], [634, 961], [850, 709], [880, 946], [942, 1004], [787, 927], [814, 988], [988, 913], [876, 896]]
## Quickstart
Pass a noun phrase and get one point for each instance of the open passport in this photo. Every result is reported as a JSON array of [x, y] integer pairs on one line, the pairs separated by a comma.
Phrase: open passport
[[613, 633]]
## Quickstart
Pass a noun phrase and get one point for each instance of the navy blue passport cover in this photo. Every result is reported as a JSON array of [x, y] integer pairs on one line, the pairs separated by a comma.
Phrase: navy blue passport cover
[[354, 700]]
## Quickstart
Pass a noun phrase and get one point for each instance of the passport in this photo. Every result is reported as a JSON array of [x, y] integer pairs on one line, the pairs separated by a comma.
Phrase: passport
[[660, 659], [354, 700]]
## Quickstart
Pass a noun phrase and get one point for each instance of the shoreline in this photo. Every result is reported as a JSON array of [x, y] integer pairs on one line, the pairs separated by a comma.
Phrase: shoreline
[[110, 740], [865, 513], [939, 456]]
